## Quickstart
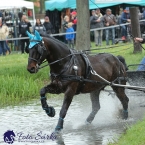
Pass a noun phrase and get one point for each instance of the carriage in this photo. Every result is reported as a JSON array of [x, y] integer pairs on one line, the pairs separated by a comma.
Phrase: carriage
[[136, 78]]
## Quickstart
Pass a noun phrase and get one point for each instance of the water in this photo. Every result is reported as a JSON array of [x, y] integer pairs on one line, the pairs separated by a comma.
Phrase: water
[[106, 127]]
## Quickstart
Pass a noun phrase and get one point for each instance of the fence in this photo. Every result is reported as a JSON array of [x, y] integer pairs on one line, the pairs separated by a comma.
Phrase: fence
[[61, 34]]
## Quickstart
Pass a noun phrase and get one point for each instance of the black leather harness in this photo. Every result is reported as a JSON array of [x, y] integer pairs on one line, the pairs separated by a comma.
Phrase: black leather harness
[[81, 79], [73, 62]]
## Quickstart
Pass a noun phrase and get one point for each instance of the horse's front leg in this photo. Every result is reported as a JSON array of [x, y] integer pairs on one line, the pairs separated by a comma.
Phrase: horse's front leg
[[51, 88], [70, 92]]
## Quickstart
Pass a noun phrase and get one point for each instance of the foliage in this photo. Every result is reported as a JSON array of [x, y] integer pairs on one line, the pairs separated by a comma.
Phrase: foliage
[[16, 83]]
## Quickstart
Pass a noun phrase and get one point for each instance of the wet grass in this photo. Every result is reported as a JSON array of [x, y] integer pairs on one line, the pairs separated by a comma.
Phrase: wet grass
[[17, 85], [135, 135]]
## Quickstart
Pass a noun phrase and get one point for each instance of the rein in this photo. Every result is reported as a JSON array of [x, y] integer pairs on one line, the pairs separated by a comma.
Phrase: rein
[[53, 61]]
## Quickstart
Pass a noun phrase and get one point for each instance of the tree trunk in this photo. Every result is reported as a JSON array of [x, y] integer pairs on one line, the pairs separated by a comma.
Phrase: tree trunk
[[135, 27], [83, 25], [41, 6]]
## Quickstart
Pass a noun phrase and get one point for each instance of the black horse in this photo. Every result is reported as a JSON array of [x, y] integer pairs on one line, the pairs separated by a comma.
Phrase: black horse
[[73, 72]]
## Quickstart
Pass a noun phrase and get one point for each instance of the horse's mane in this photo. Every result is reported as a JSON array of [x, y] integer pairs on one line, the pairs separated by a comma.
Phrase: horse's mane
[[55, 40]]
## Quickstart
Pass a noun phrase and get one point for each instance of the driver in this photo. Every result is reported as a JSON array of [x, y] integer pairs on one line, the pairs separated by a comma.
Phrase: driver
[[142, 66]]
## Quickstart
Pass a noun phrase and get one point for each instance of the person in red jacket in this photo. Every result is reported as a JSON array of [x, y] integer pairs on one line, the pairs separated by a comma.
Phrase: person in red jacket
[[74, 20]]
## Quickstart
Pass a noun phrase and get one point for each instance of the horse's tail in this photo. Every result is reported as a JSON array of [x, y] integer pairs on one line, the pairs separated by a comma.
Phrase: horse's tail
[[122, 59]]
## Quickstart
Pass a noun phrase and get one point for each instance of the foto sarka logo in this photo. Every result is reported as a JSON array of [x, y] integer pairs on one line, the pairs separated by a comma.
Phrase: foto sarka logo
[[9, 136], [39, 137]]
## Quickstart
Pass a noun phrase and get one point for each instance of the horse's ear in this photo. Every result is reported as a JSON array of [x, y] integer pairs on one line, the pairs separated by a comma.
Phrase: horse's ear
[[29, 35], [38, 35]]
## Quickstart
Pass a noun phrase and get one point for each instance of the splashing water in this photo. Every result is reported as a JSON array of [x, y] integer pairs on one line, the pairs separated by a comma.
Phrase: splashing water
[[106, 126]]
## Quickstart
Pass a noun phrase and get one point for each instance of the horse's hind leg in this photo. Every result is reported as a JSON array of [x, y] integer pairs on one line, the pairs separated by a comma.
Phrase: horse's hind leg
[[120, 92], [95, 105]]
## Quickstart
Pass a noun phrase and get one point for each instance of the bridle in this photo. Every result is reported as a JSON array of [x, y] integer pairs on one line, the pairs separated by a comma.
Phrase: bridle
[[42, 51]]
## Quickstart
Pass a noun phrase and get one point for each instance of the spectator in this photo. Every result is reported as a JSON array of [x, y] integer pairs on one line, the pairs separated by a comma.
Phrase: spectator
[[109, 20], [143, 14], [140, 15], [141, 67], [20, 14], [65, 21], [92, 24], [1, 14], [143, 17], [4, 32], [7, 47], [24, 26], [48, 26], [99, 33], [39, 27], [118, 29], [74, 20], [125, 17], [70, 37], [97, 22]]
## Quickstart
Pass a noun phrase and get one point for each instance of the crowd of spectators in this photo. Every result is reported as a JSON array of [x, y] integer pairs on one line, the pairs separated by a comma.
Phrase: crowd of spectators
[[98, 20], [69, 24]]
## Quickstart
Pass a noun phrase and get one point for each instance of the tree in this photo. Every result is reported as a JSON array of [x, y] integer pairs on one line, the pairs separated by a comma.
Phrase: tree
[[83, 25], [41, 6], [135, 27]]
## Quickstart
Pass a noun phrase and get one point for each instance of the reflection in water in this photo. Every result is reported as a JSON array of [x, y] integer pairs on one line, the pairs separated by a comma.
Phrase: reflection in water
[[107, 124]]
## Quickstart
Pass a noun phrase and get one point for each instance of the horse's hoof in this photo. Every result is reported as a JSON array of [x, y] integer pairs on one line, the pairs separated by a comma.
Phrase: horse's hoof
[[125, 115], [58, 137], [50, 111], [87, 123]]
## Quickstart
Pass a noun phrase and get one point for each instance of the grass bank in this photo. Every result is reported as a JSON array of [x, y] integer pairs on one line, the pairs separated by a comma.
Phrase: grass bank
[[134, 135], [16, 83]]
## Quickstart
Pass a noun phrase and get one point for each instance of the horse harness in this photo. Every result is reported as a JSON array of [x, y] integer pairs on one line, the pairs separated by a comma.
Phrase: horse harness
[[82, 79], [64, 77]]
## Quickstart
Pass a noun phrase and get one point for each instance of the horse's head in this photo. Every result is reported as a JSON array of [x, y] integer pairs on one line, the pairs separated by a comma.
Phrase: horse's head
[[9, 136], [37, 52]]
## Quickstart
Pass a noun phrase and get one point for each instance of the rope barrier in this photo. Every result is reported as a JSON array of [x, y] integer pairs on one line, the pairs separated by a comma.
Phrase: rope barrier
[[92, 53], [107, 47]]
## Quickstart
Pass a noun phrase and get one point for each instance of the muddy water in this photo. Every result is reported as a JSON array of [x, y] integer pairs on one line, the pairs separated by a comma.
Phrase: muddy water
[[31, 121]]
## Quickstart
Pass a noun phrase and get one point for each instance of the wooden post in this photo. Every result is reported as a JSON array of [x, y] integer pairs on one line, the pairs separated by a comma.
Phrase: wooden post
[[135, 27], [83, 25]]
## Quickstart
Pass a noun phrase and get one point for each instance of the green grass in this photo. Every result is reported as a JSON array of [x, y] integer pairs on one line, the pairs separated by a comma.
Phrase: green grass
[[125, 50], [16, 83], [134, 135]]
